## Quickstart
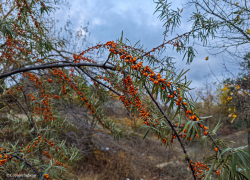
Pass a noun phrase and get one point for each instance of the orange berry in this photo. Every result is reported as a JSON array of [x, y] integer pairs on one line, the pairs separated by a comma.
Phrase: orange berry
[[205, 132]]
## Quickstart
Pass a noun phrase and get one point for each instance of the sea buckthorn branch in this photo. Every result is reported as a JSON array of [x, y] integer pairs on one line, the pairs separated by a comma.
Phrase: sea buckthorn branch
[[9, 156], [18, 101], [107, 59], [224, 19], [188, 112], [5, 159], [40, 60], [139, 78], [10, 56], [88, 104], [32, 124], [46, 97], [4, 44], [60, 54], [113, 82], [146, 116], [173, 129], [21, 31], [196, 171], [21, 13], [79, 57], [99, 82], [29, 164], [4, 17], [172, 92], [193, 117], [135, 49], [53, 66], [36, 143], [30, 117], [144, 104], [26, 6], [9, 172], [174, 43], [67, 59]]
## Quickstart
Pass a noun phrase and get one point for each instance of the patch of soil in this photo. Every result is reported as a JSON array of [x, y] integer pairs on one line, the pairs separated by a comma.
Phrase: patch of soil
[[134, 158]]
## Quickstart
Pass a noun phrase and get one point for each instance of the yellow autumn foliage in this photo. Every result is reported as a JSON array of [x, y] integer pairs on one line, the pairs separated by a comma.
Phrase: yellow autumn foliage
[[225, 99], [237, 86], [225, 88], [248, 31]]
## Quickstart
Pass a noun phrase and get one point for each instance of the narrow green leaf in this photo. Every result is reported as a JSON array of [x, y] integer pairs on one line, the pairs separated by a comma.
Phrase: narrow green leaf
[[177, 111], [210, 171], [243, 160], [227, 149], [45, 172], [225, 173], [233, 164], [217, 127], [136, 44], [146, 133], [186, 125]]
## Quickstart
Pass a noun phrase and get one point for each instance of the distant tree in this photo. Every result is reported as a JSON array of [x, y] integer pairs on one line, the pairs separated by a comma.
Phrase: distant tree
[[236, 97], [209, 101]]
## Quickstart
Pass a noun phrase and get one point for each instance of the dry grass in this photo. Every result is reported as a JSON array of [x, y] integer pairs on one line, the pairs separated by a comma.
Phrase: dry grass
[[135, 158]]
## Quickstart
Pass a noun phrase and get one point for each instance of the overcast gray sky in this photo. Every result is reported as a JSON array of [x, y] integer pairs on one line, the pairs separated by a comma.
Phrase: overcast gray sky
[[107, 19]]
